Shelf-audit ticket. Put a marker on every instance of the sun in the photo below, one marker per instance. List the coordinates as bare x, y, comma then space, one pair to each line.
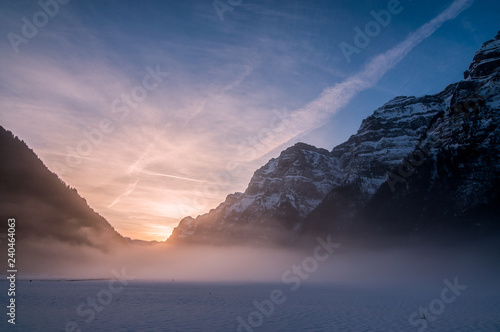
157, 233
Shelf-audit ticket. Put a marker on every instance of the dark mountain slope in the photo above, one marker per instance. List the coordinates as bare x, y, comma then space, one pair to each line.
43, 206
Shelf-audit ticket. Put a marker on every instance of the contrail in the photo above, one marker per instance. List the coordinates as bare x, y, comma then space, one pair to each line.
143, 171
138, 168
223, 90
128, 191
131, 187
332, 99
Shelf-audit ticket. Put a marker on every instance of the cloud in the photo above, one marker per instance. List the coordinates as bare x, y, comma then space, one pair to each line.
223, 90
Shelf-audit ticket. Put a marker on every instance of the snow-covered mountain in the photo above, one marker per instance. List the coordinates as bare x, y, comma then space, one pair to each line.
416, 165
280, 195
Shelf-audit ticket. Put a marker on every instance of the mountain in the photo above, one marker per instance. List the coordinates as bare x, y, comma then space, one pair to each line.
44, 207
417, 167
280, 195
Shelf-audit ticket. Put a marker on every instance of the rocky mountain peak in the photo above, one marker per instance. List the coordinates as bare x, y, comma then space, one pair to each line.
486, 62
399, 101
299, 147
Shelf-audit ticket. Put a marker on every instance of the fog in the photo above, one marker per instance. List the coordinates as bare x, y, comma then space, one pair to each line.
321, 262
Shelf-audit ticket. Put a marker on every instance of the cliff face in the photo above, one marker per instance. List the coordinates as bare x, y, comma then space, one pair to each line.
416, 166
486, 61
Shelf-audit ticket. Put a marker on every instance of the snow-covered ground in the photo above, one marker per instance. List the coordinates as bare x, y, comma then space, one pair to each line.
172, 306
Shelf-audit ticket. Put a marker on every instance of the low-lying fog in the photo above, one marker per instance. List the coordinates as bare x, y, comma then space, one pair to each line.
321, 262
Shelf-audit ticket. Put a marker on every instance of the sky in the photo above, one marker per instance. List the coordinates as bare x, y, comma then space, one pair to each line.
156, 110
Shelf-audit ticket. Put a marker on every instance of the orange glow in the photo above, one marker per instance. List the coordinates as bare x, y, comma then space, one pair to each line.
149, 233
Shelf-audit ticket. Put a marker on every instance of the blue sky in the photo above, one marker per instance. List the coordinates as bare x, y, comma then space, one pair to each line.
237, 92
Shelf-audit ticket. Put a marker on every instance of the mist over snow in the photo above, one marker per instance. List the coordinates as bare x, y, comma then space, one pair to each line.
319, 262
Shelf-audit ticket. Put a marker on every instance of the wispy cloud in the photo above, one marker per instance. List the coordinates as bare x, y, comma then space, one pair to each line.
247, 70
